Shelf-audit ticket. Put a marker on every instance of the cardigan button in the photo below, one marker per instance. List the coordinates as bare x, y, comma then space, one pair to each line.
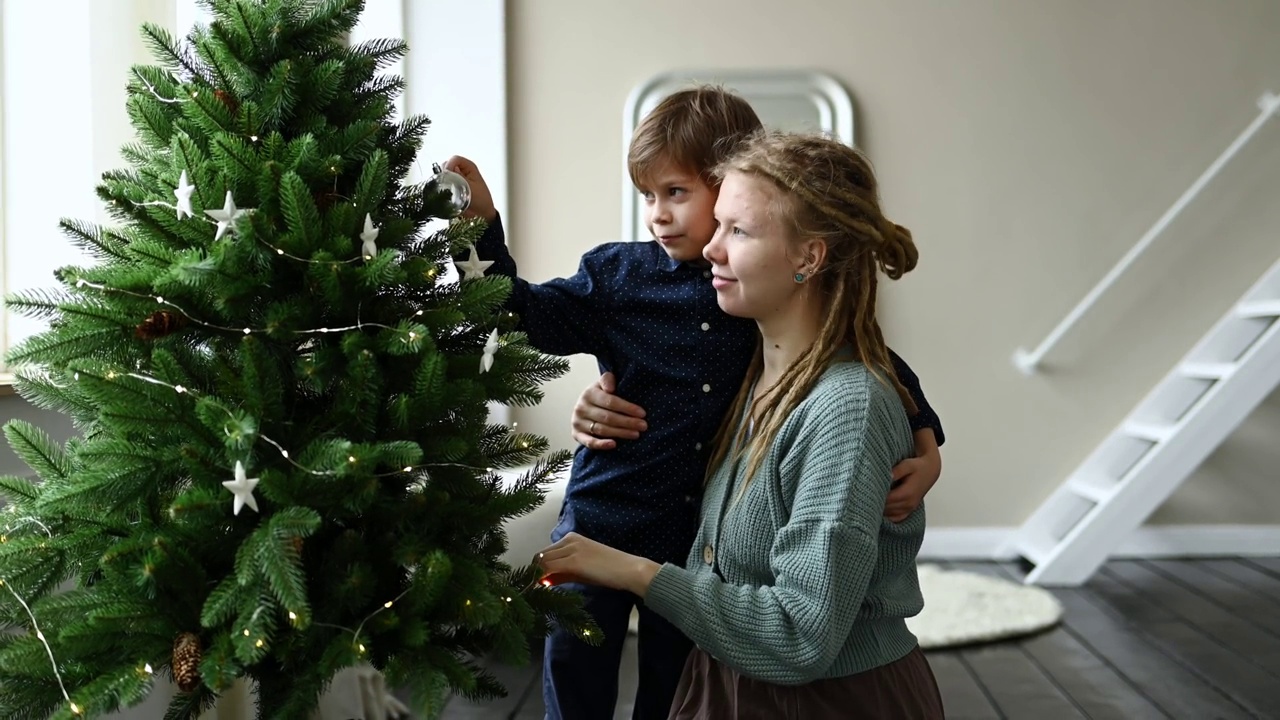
708, 555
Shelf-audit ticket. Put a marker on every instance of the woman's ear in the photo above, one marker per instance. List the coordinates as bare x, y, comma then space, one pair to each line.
813, 255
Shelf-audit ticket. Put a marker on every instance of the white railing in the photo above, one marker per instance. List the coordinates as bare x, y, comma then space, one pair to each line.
1028, 361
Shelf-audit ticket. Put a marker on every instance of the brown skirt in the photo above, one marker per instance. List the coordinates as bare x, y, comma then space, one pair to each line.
904, 689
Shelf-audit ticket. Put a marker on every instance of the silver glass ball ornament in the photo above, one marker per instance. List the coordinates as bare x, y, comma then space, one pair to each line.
457, 186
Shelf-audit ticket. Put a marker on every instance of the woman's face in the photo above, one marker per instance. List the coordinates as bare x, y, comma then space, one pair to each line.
753, 271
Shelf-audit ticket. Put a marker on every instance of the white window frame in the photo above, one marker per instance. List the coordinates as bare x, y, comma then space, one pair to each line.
468, 112
43, 181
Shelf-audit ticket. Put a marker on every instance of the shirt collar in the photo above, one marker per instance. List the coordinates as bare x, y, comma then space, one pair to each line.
670, 264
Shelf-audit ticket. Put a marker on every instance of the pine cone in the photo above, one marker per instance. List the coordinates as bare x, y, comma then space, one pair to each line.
158, 324
227, 99
186, 661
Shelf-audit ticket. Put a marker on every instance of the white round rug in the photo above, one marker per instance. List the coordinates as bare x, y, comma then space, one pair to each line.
962, 607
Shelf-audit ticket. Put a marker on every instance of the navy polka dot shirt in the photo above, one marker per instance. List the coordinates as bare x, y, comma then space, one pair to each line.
655, 324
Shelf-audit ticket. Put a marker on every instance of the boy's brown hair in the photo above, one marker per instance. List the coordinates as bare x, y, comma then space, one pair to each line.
696, 129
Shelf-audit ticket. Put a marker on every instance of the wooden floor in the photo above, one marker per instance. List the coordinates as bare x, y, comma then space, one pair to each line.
1195, 639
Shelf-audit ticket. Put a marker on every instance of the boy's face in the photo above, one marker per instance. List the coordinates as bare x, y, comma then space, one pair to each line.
679, 212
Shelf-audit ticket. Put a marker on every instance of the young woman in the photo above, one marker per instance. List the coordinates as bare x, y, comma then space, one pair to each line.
797, 588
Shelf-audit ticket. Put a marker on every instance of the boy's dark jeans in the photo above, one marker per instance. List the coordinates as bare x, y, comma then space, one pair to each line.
580, 681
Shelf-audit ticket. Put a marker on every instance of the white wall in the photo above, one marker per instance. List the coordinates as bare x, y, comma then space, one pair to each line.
1027, 145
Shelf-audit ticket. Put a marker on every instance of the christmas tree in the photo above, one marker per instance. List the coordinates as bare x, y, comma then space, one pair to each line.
286, 465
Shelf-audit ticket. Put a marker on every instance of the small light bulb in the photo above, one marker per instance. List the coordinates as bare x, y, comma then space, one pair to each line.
293, 615
195, 94
279, 251
468, 603
159, 299
179, 389
259, 643
387, 605
361, 646
418, 313
408, 468
247, 331
147, 669
77, 376
246, 632
508, 599
253, 138
586, 633
413, 336
284, 453
111, 375
39, 635
351, 458
75, 708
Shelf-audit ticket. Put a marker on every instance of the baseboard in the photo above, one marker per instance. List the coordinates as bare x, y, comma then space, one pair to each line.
1152, 541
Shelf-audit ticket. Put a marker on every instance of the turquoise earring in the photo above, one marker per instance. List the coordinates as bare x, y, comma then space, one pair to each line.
799, 277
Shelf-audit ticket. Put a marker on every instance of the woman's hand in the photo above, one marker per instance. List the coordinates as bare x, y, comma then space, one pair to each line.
601, 418
578, 559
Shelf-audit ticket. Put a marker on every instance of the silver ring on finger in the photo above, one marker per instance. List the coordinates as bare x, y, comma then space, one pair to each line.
592, 431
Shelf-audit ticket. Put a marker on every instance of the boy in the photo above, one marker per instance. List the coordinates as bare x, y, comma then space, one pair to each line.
648, 313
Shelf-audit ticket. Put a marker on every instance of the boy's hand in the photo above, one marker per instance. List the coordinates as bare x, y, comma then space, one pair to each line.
481, 199
599, 414
914, 477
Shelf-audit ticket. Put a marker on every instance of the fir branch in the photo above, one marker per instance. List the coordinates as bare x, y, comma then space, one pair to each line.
18, 487
222, 603
38, 303
330, 18
189, 706
255, 625
325, 84
166, 49
42, 392
300, 213
103, 245
279, 560
371, 188
279, 92
154, 124
233, 152
235, 14
383, 52
484, 296
356, 141
510, 449
38, 450
191, 158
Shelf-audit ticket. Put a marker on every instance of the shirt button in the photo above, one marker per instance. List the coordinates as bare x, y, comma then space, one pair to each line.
706, 388
706, 326
706, 273
708, 555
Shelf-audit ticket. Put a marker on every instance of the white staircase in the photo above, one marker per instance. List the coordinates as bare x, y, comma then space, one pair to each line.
1163, 440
